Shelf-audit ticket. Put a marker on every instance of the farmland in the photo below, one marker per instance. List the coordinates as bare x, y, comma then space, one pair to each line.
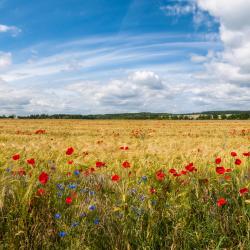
104, 184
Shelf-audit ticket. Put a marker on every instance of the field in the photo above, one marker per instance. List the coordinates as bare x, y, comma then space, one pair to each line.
72, 184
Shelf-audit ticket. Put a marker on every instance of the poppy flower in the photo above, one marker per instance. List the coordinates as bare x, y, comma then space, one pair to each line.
69, 151
244, 191
172, 171
220, 170
218, 160
221, 202
190, 167
40, 192
160, 175
40, 131
115, 177
124, 147
70, 162
184, 172
152, 190
100, 164
228, 170
126, 164
16, 157
227, 177
31, 161
176, 174
237, 162
68, 174
43, 178
21, 172
233, 154
68, 200
246, 154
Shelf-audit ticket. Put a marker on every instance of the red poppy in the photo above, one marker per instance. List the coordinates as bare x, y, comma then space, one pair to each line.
221, 202
172, 171
218, 160
233, 154
244, 191
40, 131
31, 161
68, 174
21, 172
152, 190
69, 151
115, 177
160, 175
100, 164
246, 154
16, 157
40, 192
184, 172
68, 200
237, 162
220, 170
70, 162
176, 174
124, 147
190, 167
227, 177
228, 170
43, 178
126, 164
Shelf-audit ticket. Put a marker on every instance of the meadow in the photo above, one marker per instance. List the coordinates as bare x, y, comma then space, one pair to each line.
106, 184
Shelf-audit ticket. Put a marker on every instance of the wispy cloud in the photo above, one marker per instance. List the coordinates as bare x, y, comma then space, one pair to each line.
13, 30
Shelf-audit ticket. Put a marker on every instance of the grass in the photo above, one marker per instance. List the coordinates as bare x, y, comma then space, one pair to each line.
137, 212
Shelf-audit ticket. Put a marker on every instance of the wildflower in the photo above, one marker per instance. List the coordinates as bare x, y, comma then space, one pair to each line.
233, 154
183, 172
220, 170
247, 154
96, 221
190, 167
237, 162
70, 162
244, 191
16, 157
126, 164
60, 186
76, 172
68, 200
100, 164
58, 216
124, 147
21, 172
218, 160
72, 186
92, 207
31, 161
74, 224
152, 190
62, 234
172, 171
40, 192
69, 151
160, 175
43, 178
221, 202
115, 177
144, 178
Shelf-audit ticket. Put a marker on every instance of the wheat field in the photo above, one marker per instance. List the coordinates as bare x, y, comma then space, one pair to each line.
119, 184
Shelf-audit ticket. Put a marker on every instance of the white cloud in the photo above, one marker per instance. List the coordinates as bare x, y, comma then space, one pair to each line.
12, 29
5, 59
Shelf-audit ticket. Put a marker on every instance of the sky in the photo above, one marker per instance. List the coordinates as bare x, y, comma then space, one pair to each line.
115, 56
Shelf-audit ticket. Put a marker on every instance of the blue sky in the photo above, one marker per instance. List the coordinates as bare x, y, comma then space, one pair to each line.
122, 56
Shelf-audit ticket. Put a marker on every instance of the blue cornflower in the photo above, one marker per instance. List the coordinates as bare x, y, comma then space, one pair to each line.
133, 191
96, 221
74, 224
60, 186
91, 192
62, 234
76, 172
59, 194
8, 170
142, 197
72, 186
83, 215
92, 207
58, 216
144, 178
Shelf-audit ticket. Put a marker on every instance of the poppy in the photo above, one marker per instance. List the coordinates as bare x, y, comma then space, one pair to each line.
221, 202
69, 151
43, 178
21, 172
220, 170
184, 172
152, 190
68, 200
40, 192
237, 162
126, 164
31, 161
70, 162
190, 167
160, 175
16, 157
246, 154
124, 147
115, 177
218, 160
244, 191
172, 171
233, 154
100, 164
